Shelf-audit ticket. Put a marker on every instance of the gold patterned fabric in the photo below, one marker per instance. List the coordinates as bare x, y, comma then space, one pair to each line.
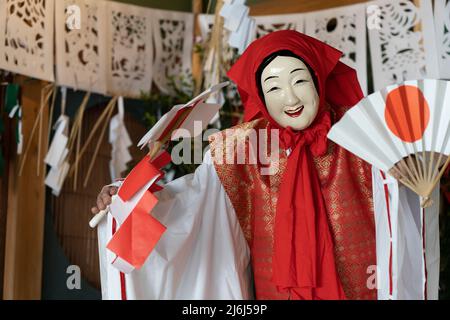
347, 190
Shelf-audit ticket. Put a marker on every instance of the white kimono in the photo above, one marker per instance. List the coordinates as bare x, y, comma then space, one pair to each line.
204, 255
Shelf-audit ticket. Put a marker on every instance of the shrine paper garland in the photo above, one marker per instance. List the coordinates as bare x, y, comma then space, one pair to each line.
402, 44
80, 45
26, 37
341, 28
83, 56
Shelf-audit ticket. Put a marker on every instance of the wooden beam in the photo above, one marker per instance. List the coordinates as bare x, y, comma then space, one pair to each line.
7, 144
26, 205
266, 7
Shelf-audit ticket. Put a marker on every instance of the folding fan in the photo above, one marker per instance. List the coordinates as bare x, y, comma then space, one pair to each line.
404, 129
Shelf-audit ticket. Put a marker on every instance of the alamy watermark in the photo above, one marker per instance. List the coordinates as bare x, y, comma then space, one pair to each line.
74, 279
238, 146
73, 17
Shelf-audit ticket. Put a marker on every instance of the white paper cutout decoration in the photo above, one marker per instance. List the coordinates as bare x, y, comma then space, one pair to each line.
342, 28
129, 49
173, 38
81, 47
120, 141
26, 37
442, 20
402, 45
267, 24
56, 156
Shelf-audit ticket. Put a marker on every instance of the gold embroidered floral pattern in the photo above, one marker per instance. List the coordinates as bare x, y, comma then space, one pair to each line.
346, 186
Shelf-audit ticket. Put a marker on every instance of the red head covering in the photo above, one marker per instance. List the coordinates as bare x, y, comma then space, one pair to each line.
303, 254
337, 83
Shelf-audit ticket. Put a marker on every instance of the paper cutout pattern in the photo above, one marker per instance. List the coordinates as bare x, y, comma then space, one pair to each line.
403, 45
173, 40
130, 50
80, 53
26, 37
442, 19
341, 29
267, 24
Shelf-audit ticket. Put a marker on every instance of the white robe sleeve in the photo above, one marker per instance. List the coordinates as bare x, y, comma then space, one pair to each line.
407, 239
202, 255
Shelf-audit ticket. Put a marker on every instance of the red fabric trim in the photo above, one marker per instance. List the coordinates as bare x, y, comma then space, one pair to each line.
386, 194
123, 287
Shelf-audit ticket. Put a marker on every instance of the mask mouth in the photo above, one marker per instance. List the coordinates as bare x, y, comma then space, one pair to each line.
295, 113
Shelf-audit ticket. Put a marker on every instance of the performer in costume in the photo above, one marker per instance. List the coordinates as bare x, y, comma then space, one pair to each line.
322, 191
306, 231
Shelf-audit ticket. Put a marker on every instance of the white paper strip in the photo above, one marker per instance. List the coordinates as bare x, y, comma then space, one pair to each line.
56, 176
402, 43
206, 21
26, 37
81, 44
342, 28
120, 142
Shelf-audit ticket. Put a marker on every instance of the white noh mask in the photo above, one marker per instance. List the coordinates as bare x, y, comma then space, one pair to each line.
289, 92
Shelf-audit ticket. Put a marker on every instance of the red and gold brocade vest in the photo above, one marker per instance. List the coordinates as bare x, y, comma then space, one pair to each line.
347, 189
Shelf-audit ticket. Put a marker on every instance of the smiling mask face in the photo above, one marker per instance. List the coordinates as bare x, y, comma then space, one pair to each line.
289, 92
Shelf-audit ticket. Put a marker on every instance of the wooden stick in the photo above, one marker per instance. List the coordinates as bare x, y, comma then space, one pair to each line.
41, 118
80, 127
441, 172
50, 119
33, 130
93, 131
76, 123
100, 139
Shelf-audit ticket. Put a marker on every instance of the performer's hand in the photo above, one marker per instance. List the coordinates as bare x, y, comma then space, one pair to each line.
104, 198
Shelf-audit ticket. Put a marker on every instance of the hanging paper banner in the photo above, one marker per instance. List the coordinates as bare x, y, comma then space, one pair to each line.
267, 24
26, 37
342, 28
173, 35
402, 43
442, 20
129, 49
80, 44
